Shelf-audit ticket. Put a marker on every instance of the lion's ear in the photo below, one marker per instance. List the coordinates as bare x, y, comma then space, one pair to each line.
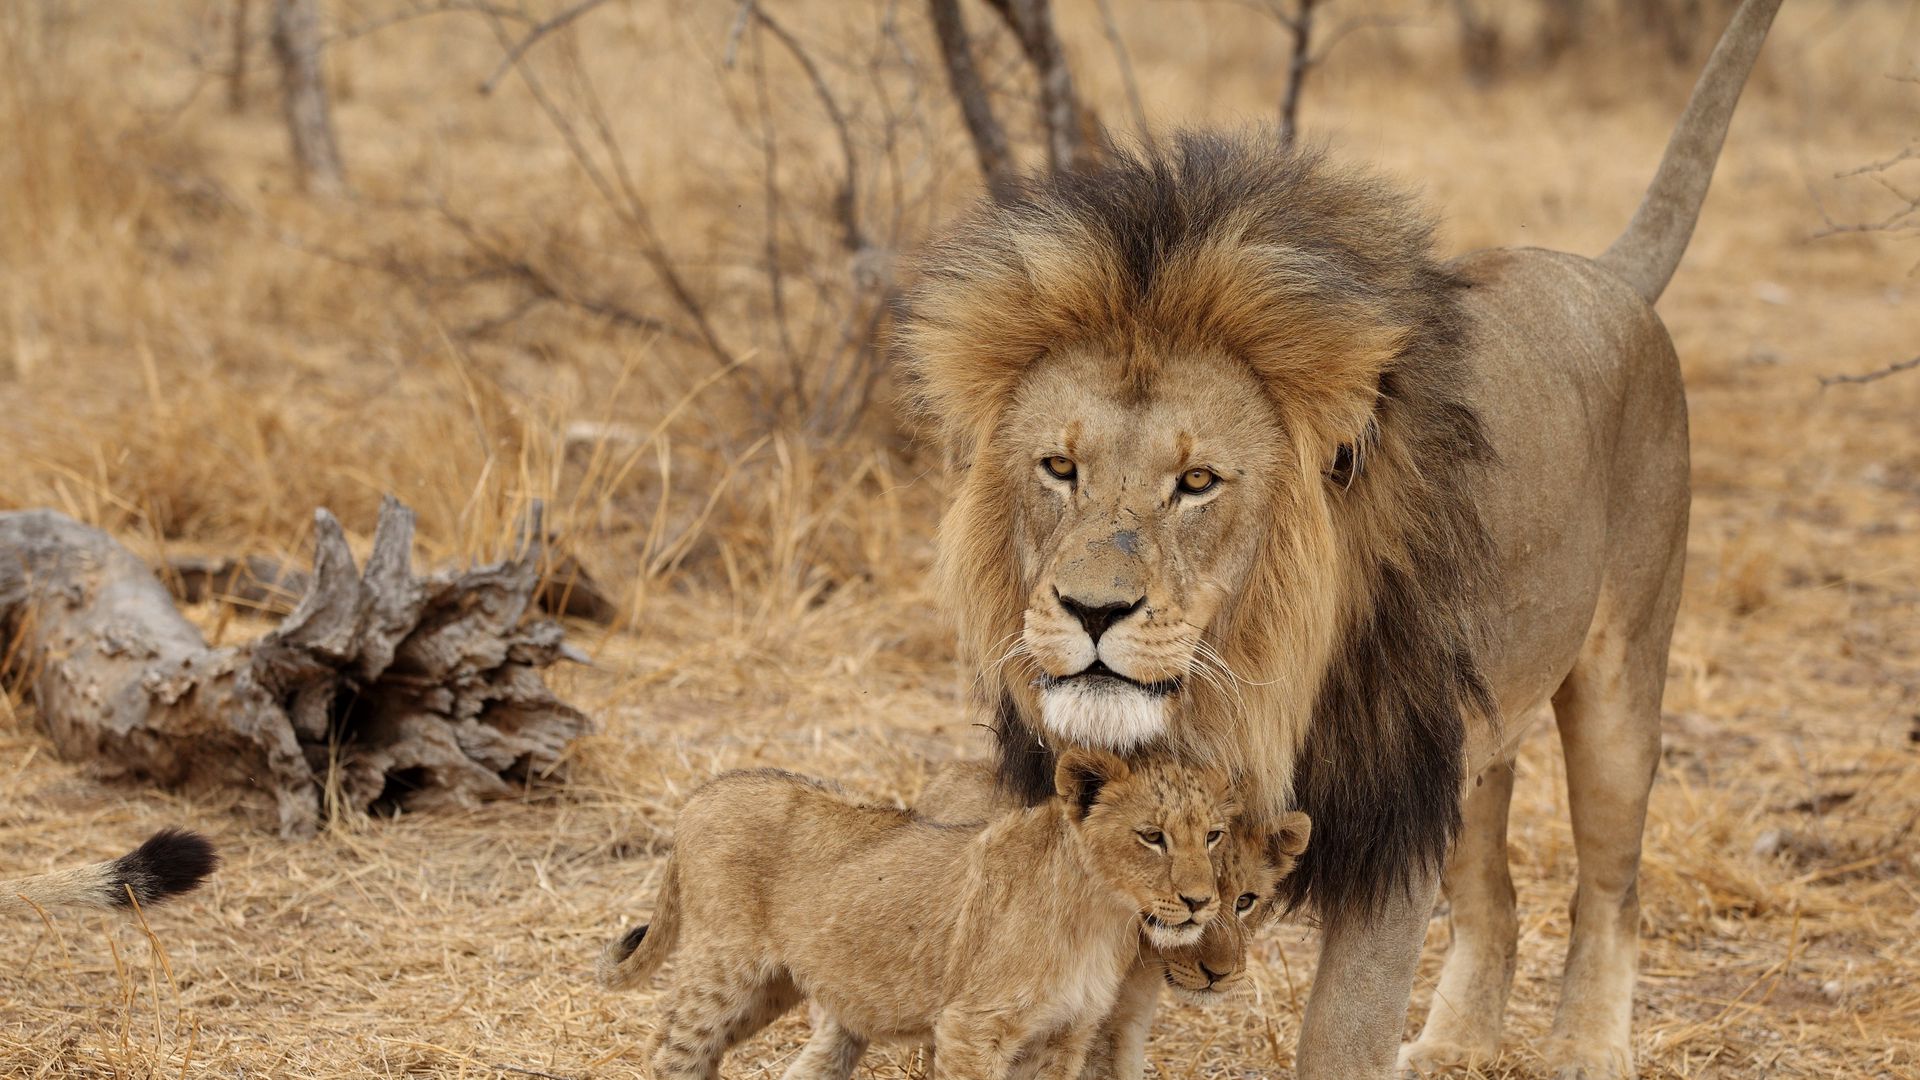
1289, 839
1083, 772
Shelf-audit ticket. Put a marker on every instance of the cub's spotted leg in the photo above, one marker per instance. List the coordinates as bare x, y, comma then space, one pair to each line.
831, 1052
710, 1007
1469, 1005
1609, 715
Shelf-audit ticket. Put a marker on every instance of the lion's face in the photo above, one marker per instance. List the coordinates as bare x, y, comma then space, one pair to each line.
1150, 829
1252, 865
1138, 513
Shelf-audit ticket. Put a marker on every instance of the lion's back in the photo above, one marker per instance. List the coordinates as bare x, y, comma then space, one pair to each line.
1578, 387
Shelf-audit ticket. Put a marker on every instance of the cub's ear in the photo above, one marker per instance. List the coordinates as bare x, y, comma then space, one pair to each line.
1288, 839
1081, 774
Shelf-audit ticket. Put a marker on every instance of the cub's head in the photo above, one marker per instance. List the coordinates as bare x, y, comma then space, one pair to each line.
1252, 865
1149, 828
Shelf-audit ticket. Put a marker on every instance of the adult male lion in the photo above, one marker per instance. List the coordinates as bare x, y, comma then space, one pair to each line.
1246, 468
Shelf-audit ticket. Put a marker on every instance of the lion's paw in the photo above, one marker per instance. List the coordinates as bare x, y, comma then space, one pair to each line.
1568, 1059
1434, 1057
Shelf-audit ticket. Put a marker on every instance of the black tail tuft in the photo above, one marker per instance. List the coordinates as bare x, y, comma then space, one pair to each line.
629, 942
171, 862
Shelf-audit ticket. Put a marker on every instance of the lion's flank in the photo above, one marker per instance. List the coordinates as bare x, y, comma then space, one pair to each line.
1322, 281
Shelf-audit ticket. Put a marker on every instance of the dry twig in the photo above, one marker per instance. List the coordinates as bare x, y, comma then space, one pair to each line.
1871, 376
532, 38
1121, 57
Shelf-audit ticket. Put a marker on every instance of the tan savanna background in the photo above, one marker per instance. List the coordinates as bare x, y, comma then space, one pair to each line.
195, 353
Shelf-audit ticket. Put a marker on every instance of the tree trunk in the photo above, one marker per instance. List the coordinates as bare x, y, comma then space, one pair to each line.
296, 43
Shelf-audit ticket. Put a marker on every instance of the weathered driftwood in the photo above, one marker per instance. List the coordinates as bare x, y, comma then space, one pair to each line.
379, 689
267, 586
254, 582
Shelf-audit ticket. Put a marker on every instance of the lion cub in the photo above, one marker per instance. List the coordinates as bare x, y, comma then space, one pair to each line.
998, 942
1251, 865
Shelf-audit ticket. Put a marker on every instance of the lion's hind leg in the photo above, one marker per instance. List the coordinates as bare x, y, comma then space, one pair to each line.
1609, 717
1469, 1004
712, 1007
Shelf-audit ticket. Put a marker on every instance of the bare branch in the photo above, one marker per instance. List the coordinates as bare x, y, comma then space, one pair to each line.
424, 11
770, 180
1871, 376
847, 201
533, 37
237, 73
1125, 61
622, 197
1301, 27
1032, 21
1908, 154
735, 30
989, 139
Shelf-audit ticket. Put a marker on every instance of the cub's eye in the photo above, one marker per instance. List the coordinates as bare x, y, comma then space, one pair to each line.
1058, 466
1214, 835
1153, 838
1246, 902
1198, 481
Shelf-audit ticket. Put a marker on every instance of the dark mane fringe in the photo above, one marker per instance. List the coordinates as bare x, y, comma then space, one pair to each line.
1024, 764
1381, 771
1322, 279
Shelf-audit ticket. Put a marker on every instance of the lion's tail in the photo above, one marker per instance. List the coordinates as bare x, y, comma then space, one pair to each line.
639, 952
1647, 254
171, 862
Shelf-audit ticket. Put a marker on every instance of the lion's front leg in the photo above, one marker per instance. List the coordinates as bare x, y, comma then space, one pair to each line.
976, 1044
1064, 1052
1360, 990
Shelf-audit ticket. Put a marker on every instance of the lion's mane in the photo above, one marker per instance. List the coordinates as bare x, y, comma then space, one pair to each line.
1356, 636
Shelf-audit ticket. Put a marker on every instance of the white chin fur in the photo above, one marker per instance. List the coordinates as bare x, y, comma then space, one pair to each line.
1165, 937
1194, 997
1103, 713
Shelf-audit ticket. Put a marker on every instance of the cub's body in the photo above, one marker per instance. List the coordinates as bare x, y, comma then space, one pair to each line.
1250, 865
996, 943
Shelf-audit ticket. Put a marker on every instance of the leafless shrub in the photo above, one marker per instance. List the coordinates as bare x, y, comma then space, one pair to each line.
1897, 178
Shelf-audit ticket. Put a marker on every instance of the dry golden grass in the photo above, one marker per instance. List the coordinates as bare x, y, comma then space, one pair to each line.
194, 355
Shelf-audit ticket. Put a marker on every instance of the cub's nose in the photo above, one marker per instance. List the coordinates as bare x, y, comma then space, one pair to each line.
1196, 904
1096, 618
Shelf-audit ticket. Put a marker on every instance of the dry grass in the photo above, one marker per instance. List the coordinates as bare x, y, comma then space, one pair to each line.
194, 355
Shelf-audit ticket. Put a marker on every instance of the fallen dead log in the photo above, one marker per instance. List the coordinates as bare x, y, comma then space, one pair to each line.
264, 585
379, 689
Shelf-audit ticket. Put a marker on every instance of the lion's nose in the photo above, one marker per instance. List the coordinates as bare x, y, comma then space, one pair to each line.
1096, 618
1196, 903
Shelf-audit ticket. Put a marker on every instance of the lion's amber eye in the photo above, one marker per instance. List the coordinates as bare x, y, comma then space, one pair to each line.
1197, 481
1246, 902
1058, 466
1153, 838
1213, 836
